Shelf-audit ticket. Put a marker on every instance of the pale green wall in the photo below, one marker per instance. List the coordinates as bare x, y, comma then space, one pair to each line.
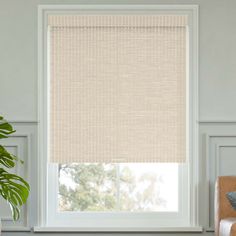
18, 55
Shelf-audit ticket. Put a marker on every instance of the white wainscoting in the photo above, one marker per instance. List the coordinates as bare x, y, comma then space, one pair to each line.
218, 149
22, 143
217, 156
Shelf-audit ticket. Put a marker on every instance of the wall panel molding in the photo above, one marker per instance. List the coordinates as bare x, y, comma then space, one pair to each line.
23, 121
21, 142
201, 121
215, 121
214, 143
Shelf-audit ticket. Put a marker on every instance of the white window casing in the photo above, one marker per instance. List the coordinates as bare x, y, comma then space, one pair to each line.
186, 219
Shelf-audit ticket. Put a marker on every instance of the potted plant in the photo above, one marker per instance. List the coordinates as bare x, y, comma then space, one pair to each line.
13, 188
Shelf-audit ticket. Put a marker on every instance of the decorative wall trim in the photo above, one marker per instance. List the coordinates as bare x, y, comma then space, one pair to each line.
28, 151
16, 229
218, 147
199, 121
216, 168
217, 121
23, 121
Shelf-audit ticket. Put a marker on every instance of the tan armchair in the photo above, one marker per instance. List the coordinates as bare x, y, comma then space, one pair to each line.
225, 215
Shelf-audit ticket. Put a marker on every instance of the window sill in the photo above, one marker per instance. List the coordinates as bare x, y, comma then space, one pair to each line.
195, 229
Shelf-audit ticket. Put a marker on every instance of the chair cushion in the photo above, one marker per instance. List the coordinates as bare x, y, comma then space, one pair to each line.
228, 227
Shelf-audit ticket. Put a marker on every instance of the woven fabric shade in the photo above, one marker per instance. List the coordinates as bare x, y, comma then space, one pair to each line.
117, 88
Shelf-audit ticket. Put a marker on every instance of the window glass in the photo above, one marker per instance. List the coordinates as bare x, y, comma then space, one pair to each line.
118, 187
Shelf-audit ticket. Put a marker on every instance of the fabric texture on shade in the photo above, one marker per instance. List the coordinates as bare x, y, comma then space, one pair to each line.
117, 88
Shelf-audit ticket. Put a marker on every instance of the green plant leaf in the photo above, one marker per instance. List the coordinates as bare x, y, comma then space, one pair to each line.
7, 159
15, 211
5, 128
15, 190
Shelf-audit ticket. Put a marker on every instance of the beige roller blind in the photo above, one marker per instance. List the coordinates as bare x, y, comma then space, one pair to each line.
117, 88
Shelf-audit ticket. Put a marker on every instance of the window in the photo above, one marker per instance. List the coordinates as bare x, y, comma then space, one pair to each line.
118, 117
118, 187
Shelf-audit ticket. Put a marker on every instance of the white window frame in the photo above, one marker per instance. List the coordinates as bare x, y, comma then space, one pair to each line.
126, 220
187, 219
